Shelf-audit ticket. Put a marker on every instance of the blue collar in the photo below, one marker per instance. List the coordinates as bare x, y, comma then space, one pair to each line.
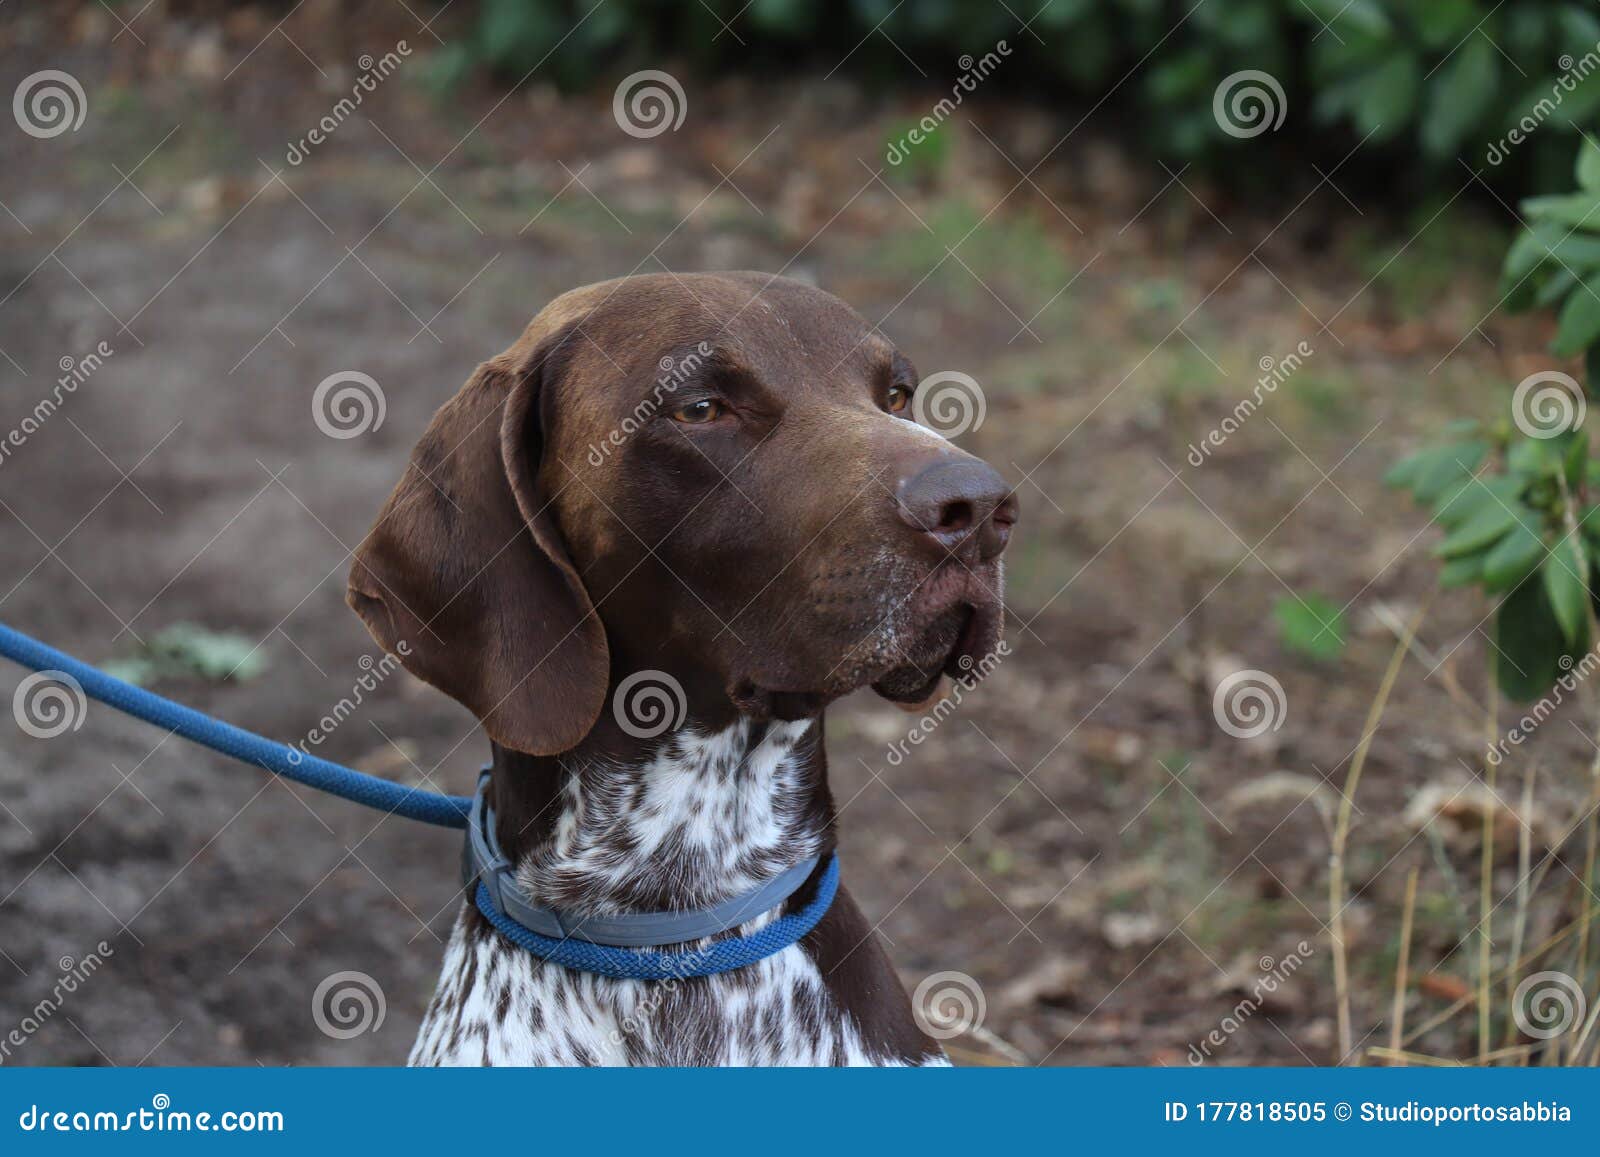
624, 945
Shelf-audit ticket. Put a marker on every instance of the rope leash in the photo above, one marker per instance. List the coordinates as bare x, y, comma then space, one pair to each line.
446, 811
571, 950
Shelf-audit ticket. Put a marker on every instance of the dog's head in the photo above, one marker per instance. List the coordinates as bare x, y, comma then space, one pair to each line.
711, 475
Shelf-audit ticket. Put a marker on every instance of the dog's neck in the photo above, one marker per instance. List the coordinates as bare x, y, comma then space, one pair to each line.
682, 821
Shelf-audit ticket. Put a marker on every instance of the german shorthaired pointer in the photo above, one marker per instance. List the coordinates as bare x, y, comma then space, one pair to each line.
712, 477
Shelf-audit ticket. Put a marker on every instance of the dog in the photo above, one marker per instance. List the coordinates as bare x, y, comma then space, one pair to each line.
713, 479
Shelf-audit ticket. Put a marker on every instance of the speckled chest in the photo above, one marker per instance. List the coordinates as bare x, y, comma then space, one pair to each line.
711, 815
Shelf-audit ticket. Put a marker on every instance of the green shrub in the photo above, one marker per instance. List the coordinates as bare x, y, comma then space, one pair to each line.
1423, 83
1513, 500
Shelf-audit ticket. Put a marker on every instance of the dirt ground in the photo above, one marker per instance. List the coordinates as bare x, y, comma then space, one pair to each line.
1081, 838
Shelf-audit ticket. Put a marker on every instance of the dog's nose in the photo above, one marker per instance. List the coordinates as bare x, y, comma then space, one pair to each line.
962, 504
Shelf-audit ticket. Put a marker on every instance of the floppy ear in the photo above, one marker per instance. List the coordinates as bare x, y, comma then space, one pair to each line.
465, 576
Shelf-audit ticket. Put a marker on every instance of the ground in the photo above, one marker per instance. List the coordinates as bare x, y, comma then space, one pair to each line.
1112, 870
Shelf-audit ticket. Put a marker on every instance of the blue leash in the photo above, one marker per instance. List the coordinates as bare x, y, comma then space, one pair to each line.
449, 811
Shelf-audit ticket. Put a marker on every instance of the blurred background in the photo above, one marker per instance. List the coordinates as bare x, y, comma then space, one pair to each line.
1285, 765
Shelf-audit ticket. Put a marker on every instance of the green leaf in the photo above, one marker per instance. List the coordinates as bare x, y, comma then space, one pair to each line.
1448, 23
1530, 250
1588, 167
1310, 625
1557, 283
1460, 572
1475, 494
1574, 210
1591, 370
1515, 555
1388, 96
1488, 526
1460, 94
1446, 465
1531, 458
1528, 644
1565, 575
1403, 474
1575, 458
1580, 320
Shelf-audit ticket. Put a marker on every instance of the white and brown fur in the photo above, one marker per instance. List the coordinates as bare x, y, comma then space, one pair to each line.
708, 817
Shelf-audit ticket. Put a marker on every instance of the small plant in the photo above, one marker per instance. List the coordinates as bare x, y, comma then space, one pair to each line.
1513, 498
190, 651
1310, 626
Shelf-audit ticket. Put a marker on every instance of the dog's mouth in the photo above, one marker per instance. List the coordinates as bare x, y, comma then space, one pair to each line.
955, 642
953, 645
950, 625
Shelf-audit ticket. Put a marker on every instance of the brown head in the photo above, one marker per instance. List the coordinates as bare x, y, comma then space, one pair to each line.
715, 476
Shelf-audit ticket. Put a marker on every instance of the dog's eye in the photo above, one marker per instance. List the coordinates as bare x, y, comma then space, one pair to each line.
899, 399
699, 413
